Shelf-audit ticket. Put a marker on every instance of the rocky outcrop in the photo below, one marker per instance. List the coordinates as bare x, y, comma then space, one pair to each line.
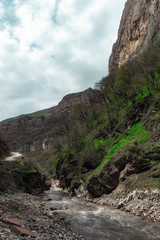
139, 29
70, 101
38, 145
18, 176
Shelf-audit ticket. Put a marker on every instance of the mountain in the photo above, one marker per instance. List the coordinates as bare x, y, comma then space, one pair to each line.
28, 132
139, 29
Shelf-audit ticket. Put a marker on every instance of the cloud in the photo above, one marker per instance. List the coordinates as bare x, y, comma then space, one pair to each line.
51, 48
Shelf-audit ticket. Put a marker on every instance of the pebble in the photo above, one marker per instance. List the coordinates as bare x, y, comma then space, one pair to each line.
28, 209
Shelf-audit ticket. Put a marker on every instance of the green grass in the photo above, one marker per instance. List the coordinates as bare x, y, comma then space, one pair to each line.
98, 143
137, 133
40, 114
139, 97
43, 113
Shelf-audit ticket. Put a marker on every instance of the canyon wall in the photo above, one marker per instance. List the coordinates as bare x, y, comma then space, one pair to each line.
139, 29
29, 132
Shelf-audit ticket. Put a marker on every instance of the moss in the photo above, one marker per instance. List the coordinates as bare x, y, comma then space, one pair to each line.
40, 114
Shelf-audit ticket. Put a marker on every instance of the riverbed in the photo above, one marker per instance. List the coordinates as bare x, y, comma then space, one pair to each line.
95, 222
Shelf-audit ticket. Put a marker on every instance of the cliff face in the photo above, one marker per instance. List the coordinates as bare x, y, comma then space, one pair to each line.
139, 29
28, 132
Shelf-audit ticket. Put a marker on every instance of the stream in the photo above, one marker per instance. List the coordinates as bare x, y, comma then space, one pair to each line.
95, 222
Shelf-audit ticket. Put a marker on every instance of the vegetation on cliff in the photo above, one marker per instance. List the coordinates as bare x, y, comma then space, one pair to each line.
125, 131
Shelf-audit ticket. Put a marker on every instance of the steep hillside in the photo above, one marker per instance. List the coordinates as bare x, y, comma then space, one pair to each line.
122, 145
139, 29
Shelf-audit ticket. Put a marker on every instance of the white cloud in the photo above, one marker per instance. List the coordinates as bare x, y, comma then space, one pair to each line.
51, 48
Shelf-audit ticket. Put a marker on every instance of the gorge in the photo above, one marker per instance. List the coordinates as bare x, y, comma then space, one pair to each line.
103, 144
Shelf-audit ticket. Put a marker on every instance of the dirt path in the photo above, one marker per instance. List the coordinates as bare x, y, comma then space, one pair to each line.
13, 157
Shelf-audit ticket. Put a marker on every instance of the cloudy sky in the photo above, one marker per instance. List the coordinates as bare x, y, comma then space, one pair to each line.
49, 48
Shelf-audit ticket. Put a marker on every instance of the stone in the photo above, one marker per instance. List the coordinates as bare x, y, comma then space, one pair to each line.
1, 229
63, 207
22, 231
14, 221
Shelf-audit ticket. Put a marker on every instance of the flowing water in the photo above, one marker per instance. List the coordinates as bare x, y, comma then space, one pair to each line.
100, 222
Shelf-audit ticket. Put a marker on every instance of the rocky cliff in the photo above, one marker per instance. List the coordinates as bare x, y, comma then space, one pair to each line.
28, 132
139, 29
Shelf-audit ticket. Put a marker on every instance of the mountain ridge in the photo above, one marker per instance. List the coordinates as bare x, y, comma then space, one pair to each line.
23, 125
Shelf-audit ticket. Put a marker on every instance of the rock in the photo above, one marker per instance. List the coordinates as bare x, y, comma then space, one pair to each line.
1, 229
14, 221
139, 28
105, 182
129, 169
22, 231
63, 207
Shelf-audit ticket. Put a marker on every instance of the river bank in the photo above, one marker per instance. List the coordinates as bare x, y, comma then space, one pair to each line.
54, 215
100, 222
143, 203
35, 222
140, 203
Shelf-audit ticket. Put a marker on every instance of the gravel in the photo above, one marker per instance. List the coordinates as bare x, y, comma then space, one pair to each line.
29, 210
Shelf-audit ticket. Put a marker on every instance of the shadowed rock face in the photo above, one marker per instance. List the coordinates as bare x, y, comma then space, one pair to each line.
139, 28
15, 178
4, 149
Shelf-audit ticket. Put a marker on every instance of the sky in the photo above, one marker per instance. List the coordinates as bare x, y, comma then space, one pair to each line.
50, 48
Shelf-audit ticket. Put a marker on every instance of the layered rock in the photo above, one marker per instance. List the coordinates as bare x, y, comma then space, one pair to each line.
139, 29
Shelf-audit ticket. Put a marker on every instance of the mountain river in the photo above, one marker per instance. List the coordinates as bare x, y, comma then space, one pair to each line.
95, 222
